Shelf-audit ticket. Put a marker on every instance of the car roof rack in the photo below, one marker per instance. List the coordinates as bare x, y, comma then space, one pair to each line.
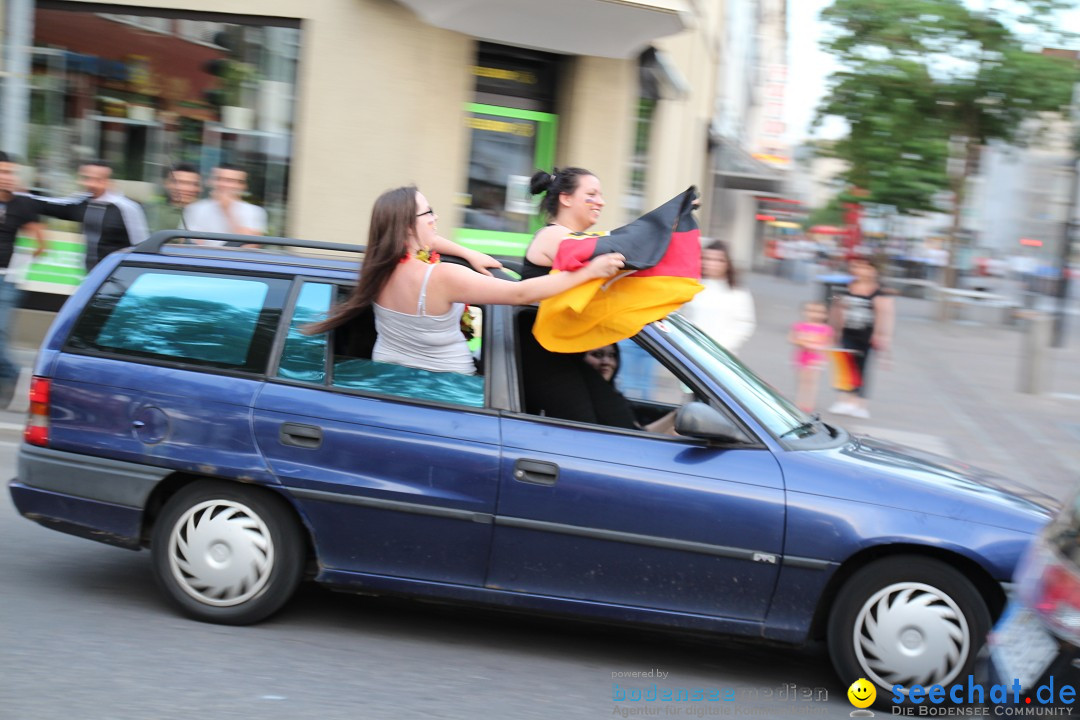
159, 239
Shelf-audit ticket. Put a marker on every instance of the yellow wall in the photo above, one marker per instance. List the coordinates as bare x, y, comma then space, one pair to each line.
597, 115
678, 156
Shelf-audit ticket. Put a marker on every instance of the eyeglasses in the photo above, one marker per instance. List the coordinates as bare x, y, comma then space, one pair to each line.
430, 211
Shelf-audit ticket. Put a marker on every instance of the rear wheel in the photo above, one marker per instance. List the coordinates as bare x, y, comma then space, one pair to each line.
226, 553
907, 620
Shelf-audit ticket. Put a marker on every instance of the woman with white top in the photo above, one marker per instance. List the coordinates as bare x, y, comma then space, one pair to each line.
418, 301
723, 310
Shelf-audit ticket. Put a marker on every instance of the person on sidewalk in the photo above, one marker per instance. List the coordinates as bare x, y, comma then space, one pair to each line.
864, 315
225, 211
723, 310
811, 336
18, 213
110, 221
182, 185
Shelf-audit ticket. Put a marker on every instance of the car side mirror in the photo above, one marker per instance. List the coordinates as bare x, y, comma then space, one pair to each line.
700, 420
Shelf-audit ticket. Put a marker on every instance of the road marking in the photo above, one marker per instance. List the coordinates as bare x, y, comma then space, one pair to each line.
14, 427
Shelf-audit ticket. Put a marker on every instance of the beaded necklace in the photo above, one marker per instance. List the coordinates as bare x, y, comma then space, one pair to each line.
424, 255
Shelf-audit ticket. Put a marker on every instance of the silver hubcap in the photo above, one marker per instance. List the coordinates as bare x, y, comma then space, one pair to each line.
911, 634
220, 553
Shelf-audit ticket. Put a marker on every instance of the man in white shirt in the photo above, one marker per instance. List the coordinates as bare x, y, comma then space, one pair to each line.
224, 211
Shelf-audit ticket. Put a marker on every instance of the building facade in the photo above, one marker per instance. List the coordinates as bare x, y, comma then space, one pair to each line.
330, 102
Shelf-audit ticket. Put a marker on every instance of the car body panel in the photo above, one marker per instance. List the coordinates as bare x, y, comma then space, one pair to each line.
672, 525
393, 489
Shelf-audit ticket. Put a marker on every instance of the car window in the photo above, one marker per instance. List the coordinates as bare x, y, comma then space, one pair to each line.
642, 377
641, 394
303, 357
224, 321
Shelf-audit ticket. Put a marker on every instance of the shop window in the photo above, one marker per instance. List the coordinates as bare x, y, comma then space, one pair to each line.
512, 132
148, 89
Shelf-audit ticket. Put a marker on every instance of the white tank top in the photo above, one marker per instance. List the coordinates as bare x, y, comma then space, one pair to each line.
428, 342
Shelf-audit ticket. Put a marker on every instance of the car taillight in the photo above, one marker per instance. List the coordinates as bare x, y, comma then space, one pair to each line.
1051, 587
37, 420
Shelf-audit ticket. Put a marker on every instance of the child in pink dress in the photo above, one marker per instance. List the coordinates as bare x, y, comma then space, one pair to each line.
810, 337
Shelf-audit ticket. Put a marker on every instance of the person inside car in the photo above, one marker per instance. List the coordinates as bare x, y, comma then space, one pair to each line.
613, 408
418, 301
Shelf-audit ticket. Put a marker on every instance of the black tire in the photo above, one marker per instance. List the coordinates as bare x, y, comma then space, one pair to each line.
927, 623
226, 553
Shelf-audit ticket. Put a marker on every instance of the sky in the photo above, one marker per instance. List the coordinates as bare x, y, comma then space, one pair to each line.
809, 68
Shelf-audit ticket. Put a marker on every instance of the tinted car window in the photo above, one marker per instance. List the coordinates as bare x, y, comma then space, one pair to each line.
223, 321
303, 357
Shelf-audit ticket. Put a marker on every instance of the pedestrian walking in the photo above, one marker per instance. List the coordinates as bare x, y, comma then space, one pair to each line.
225, 211
864, 315
182, 185
723, 310
811, 336
18, 213
110, 221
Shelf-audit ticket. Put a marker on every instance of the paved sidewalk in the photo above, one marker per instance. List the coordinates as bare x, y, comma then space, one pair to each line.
950, 388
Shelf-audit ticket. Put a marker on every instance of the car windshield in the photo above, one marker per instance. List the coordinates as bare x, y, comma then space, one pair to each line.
771, 409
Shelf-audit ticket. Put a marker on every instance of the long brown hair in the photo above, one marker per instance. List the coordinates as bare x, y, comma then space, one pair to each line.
392, 219
732, 274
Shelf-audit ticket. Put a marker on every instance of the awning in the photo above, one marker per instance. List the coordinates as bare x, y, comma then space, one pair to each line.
736, 169
601, 28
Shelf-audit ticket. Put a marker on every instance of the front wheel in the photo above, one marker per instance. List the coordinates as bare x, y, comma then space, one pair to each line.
227, 554
907, 621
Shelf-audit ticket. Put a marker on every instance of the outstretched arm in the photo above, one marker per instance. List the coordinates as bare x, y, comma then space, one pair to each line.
458, 284
479, 261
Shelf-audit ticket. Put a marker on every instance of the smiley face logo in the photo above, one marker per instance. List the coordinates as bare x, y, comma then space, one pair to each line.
862, 693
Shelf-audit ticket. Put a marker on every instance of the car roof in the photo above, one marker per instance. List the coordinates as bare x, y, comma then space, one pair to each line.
290, 255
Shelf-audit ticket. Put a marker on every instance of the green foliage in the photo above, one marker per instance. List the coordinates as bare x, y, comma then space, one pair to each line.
919, 72
831, 214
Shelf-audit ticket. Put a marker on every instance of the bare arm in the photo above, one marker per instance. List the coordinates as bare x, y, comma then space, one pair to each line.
479, 261
546, 243
36, 230
459, 284
884, 312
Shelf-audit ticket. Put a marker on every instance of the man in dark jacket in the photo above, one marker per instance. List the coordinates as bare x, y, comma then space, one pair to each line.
110, 221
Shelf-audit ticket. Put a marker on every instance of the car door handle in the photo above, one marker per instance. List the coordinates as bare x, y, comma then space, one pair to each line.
537, 472
297, 435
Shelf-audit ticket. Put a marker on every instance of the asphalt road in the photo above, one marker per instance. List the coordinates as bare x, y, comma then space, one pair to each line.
84, 634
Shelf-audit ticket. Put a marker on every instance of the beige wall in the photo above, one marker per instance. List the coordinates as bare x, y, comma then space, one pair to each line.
597, 115
678, 155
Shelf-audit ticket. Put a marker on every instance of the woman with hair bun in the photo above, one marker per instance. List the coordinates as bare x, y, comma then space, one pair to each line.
572, 201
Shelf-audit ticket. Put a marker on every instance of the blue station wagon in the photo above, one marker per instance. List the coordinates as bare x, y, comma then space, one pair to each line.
177, 405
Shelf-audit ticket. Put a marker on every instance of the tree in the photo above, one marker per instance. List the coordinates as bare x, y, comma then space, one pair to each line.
921, 75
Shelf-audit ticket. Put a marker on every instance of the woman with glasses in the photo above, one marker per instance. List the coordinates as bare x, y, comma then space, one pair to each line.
418, 301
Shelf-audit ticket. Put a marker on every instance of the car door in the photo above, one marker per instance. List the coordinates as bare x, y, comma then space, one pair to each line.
637, 519
389, 484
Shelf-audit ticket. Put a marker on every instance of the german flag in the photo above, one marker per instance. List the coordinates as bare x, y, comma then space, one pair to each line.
663, 266
846, 375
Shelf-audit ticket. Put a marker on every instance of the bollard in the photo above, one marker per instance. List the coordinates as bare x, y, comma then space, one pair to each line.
1033, 350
